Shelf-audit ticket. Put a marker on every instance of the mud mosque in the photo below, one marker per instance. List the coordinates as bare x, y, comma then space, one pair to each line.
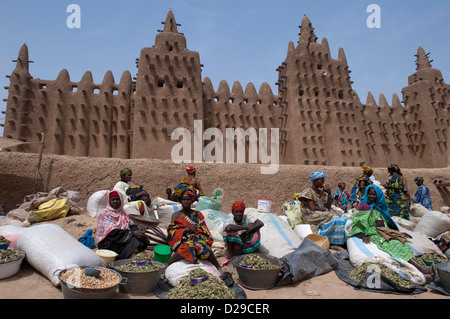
319, 117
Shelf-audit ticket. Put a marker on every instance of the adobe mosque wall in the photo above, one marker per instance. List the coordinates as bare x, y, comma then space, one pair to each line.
319, 118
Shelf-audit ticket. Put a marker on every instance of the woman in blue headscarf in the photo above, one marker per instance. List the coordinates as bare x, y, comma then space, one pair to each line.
317, 211
373, 223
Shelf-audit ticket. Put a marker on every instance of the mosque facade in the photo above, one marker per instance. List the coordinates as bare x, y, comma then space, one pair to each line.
318, 117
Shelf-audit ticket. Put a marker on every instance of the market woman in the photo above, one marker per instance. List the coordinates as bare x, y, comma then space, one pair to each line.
373, 223
116, 231
188, 235
317, 211
397, 196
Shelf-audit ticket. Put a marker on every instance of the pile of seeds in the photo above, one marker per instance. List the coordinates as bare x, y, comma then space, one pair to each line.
257, 262
129, 266
7, 255
4, 241
432, 257
212, 288
359, 274
76, 277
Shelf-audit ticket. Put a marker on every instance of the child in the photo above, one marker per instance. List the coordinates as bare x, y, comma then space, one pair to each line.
341, 197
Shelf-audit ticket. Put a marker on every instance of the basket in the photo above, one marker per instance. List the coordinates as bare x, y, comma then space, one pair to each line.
320, 241
143, 221
107, 256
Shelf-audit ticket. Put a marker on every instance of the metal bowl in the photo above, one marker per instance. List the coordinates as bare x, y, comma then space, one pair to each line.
257, 279
73, 292
138, 282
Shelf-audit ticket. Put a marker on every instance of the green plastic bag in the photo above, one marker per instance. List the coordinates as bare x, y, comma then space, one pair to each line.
205, 202
294, 214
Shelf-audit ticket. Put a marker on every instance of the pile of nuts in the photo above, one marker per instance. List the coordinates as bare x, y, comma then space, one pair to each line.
77, 277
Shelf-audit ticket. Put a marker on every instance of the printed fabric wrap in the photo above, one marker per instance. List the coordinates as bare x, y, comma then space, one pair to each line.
192, 247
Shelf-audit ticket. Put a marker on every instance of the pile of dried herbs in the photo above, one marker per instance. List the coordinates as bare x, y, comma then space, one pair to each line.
143, 256
212, 288
129, 266
4, 241
359, 274
7, 255
432, 257
257, 262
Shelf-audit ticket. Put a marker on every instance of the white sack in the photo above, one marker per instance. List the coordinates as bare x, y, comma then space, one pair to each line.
277, 237
177, 271
97, 202
12, 233
360, 253
433, 223
50, 248
303, 230
408, 224
417, 210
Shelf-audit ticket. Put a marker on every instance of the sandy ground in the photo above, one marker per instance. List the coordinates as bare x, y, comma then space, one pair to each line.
20, 177
30, 284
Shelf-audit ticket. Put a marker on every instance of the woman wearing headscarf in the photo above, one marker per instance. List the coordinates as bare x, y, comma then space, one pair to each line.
188, 235
241, 233
134, 196
317, 211
397, 196
422, 195
190, 181
360, 185
116, 231
373, 223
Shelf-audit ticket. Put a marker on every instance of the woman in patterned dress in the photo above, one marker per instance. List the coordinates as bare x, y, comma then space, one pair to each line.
397, 196
188, 235
422, 195
317, 211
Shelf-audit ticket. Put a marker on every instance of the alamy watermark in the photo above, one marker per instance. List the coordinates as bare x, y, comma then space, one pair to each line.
258, 146
74, 19
374, 19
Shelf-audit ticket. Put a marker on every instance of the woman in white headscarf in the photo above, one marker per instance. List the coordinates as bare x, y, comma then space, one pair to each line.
319, 214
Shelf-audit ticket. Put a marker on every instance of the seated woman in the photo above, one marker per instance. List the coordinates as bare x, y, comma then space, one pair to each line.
116, 231
422, 195
189, 181
241, 233
317, 211
135, 196
188, 235
373, 223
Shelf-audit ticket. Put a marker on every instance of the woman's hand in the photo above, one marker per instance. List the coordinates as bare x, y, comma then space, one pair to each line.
139, 234
366, 240
191, 229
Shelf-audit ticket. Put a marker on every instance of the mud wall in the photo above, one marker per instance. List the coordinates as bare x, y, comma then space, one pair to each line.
239, 181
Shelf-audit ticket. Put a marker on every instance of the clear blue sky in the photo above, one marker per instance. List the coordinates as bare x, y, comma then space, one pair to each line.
243, 40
